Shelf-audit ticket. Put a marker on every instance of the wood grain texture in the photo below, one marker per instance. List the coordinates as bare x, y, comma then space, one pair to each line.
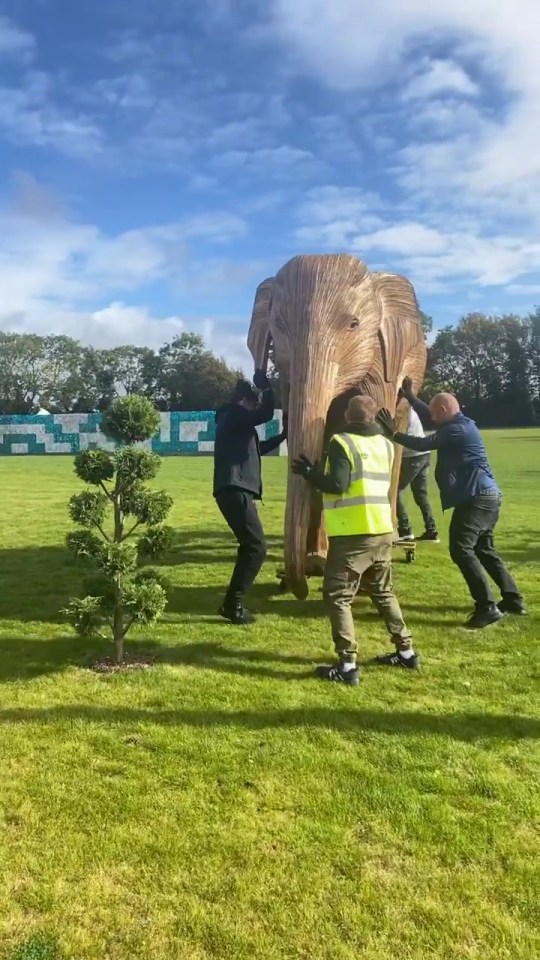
337, 330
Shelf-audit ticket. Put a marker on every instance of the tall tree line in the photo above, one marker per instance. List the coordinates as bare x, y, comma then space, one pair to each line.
59, 374
491, 363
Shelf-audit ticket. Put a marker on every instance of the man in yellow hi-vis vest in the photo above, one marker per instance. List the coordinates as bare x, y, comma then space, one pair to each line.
355, 485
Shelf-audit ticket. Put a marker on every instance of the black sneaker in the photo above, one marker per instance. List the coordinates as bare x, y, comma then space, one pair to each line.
429, 536
396, 659
238, 615
513, 605
338, 675
484, 618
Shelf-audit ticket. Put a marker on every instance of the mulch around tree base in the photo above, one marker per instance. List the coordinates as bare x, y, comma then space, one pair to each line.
107, 665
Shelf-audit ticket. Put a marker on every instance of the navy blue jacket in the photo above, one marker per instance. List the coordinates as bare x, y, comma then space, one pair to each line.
462, 470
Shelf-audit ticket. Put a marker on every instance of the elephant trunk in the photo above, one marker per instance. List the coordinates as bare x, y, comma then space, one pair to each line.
312, 388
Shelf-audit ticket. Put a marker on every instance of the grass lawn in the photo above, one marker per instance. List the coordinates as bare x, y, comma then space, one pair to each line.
226, 805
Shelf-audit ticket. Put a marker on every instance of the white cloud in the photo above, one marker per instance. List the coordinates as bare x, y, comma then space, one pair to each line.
361, 50
14, 43
404, 239
464, 168
118, 324
431, 258
273, 163
30, 115
439, 76
59, 276
524, 289
500, 151
324, 204
458, 251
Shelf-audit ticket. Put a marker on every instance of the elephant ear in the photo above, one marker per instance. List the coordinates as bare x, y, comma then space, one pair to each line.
400, 332
259, 337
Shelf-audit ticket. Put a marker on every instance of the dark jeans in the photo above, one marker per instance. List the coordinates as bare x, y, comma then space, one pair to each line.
414, 474
473, 550
240, 512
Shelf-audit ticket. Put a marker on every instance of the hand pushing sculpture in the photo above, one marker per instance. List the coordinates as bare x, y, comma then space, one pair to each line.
336, 330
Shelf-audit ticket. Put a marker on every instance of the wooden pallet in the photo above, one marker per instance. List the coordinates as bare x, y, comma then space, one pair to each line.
408, 547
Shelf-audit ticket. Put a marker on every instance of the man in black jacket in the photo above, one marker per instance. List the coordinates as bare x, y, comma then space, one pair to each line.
237, 483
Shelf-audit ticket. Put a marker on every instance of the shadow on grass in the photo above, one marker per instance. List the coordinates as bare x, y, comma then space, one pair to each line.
457, 726
24, 658
36, 582
212, 546
529, 553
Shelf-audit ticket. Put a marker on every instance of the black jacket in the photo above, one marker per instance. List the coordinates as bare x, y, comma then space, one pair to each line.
237, 449
338, 480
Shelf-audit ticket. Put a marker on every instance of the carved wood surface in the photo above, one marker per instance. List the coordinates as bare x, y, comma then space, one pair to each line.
337, 330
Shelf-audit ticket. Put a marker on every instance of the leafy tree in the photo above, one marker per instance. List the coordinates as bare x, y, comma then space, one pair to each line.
488, 363
135, 370
427, 323
97, 389
191, 378
120, 527
273, 375
62, 379
534, 324
21, 364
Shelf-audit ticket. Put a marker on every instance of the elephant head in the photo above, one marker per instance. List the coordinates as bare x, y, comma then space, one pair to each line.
335, 327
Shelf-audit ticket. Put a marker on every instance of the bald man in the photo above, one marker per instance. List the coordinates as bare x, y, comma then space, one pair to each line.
467, 486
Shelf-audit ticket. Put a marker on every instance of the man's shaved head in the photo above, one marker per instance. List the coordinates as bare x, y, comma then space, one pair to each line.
443, 407
361, 409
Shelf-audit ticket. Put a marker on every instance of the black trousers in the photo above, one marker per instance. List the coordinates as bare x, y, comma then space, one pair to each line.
473, 550
241, 514
414, 474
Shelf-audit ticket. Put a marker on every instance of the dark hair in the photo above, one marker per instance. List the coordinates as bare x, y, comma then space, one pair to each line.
244, 390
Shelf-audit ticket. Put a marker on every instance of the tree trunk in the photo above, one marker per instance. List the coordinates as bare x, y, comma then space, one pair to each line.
118, 615
118, 621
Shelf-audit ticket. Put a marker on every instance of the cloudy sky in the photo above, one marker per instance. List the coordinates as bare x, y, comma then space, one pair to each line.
158, 158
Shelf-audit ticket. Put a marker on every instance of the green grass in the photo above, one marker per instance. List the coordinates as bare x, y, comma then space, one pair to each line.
226, 805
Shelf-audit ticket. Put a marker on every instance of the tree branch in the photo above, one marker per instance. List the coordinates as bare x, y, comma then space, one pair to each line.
129, 625
128, 534
107, 493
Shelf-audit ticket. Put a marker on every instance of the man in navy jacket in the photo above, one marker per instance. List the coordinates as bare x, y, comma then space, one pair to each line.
238, 483
467, 485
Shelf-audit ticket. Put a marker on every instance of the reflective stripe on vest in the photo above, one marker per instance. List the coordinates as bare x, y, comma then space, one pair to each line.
358, 472
365, 507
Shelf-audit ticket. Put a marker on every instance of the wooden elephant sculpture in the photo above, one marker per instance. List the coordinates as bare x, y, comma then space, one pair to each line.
336, 330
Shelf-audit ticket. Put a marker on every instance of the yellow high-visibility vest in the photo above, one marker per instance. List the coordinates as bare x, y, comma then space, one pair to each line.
365, 507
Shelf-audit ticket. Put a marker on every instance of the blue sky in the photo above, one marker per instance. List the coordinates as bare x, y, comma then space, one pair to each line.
159, 159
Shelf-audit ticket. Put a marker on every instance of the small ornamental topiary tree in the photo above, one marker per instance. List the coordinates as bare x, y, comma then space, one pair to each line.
121, 527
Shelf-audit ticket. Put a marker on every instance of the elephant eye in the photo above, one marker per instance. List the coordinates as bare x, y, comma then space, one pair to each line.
354, 324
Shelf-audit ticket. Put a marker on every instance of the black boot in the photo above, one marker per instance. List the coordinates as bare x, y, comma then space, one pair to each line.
236, 614
484, 618
512, 604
